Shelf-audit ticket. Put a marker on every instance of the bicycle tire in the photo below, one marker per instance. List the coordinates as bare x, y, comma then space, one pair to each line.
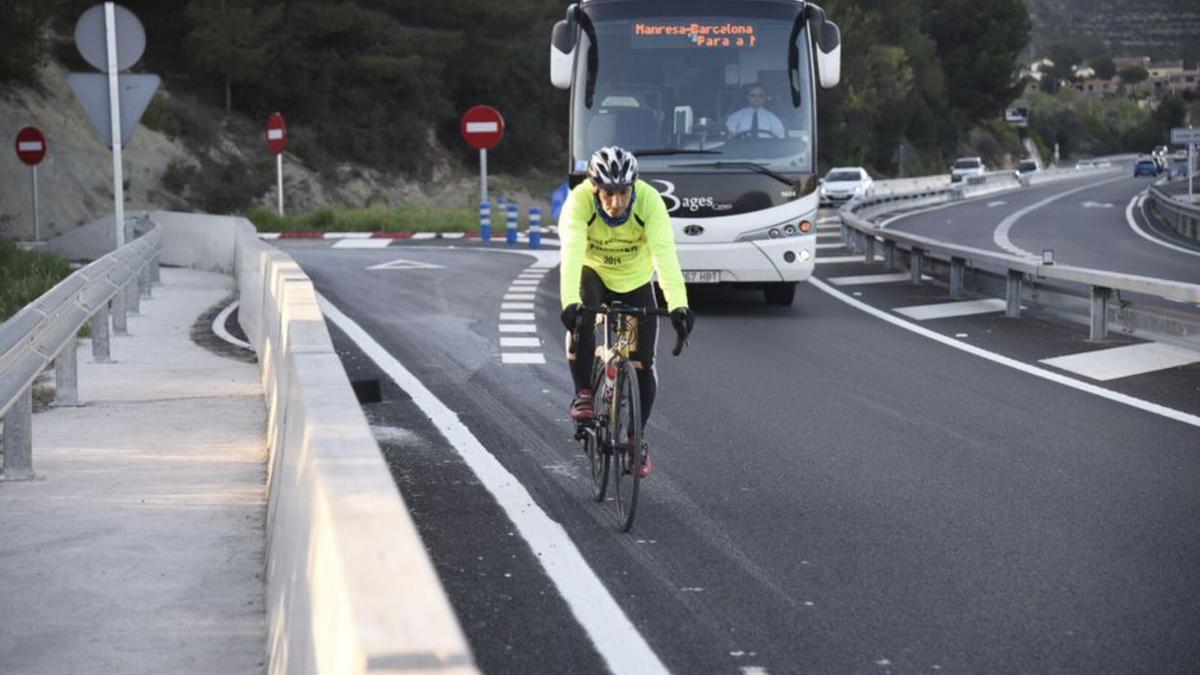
625, 434
599, 456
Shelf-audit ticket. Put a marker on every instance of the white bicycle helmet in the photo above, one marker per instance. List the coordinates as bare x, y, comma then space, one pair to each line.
613, 168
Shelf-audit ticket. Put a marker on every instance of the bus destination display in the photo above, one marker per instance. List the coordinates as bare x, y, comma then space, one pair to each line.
715, 34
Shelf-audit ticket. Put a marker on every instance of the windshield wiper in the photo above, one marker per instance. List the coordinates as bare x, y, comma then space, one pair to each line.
673, 151
753, 166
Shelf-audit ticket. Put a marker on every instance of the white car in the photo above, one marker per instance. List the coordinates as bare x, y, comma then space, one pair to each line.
844, 183
966, 166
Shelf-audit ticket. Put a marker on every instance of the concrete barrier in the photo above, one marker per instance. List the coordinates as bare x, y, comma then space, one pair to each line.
350, 588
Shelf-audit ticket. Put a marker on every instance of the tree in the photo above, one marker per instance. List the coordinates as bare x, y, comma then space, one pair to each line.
1104, 67
231, 39
1134, 75
23, 34
978, 42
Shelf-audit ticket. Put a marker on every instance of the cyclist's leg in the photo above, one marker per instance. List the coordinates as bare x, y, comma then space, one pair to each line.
581, 348
644, 347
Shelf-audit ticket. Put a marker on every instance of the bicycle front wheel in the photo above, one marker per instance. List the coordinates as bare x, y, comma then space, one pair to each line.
625, 434
599, 455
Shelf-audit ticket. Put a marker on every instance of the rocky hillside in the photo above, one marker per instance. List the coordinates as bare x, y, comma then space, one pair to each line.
1162, 29
169, 170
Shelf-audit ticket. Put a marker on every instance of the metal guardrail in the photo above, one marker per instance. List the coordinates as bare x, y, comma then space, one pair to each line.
1183, 217
44, 331
861, 235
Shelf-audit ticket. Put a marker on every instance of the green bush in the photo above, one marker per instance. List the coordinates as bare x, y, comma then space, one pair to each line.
373, 219
26, 275
178, 120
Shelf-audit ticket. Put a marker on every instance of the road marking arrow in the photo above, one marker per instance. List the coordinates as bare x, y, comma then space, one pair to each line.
402, 264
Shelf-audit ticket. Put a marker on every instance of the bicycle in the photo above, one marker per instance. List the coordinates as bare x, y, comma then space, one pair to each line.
614, 433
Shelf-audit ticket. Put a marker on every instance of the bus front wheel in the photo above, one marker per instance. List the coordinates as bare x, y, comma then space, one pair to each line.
780, 293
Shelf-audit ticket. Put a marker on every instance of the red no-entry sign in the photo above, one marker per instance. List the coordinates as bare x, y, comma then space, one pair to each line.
31, 146
276, 134
482, 127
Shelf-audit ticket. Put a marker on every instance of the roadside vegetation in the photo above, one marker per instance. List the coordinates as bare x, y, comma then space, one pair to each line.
26, 275
373, 219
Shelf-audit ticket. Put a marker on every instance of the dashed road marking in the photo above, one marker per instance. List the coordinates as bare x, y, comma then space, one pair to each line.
362, 243
518, 328
945, 310
517, 316
1118, 362
864, 279
516, 305
520, 342
839, 259
522, 357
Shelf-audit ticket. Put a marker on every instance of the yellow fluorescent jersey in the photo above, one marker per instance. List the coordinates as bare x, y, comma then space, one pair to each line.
625, 256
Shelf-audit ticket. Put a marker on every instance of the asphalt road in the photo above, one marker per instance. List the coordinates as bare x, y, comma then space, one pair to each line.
831, 492
1083, 221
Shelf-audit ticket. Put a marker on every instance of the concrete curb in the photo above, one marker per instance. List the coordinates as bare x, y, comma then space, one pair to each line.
350, 588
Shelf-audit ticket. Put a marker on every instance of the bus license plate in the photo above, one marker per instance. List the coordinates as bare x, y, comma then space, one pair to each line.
702, 276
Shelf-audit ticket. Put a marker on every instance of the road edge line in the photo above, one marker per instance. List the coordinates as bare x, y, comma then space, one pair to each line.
1117, 397
616, 639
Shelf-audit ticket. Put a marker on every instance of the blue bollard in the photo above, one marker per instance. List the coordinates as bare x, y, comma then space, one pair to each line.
485, 221
535, 227
514, 215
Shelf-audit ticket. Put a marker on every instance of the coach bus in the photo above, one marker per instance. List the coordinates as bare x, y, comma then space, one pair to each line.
717, 98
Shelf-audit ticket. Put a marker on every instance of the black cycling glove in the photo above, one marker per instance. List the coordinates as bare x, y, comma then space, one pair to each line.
570, 315
683, 319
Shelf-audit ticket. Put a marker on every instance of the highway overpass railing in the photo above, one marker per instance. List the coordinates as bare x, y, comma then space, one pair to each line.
1182, 216
44, 331
1025, 280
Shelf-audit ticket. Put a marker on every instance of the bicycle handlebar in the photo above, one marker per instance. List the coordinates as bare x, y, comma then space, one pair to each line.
618, 309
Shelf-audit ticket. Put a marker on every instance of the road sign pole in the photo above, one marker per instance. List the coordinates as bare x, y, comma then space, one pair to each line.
114, 93
279, 180
37, 230
483, 176
1191, 169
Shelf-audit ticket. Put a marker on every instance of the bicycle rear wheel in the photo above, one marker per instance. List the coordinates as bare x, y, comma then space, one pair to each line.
625, 434
598, 454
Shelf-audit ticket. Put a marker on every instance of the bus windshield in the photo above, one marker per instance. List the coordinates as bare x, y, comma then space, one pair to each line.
703, 91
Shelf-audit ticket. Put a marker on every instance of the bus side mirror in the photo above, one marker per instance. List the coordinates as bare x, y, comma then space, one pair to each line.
829, 55
562, 49
562, 54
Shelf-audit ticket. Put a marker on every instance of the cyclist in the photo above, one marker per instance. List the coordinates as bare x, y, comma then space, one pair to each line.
615, 234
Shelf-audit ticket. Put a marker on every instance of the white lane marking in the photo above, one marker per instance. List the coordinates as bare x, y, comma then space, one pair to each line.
829, 246
534, 273
519, 296
520, 342
516, 305
1117, 397
830, 235
526, 282
402, 264
1000, 236
218, 327
1140, 200
362, 243
522, 357
946, 310
1096, 205
517, 316
992, 205
619, 643
347, 235
1117, 362
518, 328
946, 205
844, 259
863, 279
